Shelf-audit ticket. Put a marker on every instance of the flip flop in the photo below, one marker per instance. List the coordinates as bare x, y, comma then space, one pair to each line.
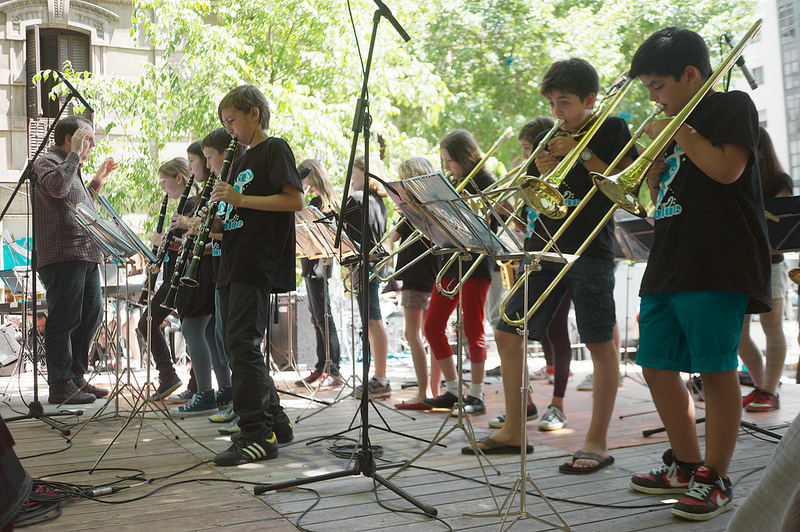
411, 406
495, 447
603, 462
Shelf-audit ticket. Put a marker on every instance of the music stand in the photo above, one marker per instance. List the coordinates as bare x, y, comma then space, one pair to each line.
633, 240
315, 237
116, 247
783, 223
436, 209
120, 247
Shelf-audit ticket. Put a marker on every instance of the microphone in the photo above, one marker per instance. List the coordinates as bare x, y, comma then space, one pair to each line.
74, 91
740, 63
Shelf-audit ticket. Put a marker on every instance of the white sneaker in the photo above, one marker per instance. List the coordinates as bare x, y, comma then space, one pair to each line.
540, 374
553, 419
587, 385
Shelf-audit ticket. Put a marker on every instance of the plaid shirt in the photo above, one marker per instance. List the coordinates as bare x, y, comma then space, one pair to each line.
59, 237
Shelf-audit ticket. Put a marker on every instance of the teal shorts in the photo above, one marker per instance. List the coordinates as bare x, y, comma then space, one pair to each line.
693, 332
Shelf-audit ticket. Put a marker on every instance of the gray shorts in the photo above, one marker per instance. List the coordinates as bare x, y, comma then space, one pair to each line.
780, 276
415, 299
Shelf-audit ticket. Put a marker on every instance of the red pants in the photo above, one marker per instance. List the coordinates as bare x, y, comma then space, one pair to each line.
439, 311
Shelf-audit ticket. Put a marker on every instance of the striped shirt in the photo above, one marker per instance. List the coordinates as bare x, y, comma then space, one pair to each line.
59, 237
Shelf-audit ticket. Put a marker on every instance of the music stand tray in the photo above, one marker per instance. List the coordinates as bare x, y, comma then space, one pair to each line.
783, 220
634, 237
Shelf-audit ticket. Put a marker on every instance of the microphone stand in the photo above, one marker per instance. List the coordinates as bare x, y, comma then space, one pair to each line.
364, 459
35, 409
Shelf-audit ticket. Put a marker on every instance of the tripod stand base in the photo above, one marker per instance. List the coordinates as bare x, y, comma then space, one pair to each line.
36, 411
365, 465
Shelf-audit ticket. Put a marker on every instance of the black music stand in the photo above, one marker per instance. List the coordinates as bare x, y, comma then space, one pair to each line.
433, 206
35, 409
364, 457
437, 210
120, 245
632, 243
315, 239
116, 247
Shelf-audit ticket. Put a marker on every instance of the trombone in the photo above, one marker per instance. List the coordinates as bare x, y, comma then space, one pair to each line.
623, 183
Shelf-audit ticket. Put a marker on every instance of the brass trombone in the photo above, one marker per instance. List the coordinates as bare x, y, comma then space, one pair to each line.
794, 275
625, 182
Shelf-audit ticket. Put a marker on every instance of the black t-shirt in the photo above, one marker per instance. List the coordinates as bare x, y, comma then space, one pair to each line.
482, 179
710, 236
316, 268
606, 144
376, 223
258, 247
421, 275
771, 186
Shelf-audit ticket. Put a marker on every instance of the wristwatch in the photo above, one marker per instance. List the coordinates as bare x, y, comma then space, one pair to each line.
586, 155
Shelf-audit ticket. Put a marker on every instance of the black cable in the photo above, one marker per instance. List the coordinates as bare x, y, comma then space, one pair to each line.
405, 511
307, 510
355, 36
69, 446
558, 499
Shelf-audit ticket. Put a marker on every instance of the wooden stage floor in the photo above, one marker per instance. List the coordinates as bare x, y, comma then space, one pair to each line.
188, 493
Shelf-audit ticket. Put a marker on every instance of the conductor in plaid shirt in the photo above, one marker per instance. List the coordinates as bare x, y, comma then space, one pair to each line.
68, 260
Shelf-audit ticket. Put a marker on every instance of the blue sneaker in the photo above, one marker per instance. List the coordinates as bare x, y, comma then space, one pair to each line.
200, 403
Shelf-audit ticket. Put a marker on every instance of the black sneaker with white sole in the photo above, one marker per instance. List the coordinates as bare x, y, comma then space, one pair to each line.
472, 406
245, 450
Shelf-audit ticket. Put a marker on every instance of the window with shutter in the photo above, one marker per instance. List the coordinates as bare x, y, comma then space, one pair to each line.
49, 48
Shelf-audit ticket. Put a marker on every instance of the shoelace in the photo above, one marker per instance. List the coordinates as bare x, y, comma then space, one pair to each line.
660, 470
700, 490
552, 416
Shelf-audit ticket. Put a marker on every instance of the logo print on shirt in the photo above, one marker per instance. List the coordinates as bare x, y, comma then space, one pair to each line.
239, 185
666, 207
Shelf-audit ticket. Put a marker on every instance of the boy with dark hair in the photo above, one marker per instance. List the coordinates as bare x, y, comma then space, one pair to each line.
258, 256
709, 265
571, 88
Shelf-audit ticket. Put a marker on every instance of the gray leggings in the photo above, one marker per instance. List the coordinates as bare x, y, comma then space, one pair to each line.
199, 334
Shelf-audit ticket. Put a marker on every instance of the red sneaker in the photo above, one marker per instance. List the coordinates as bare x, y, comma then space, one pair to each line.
669, 477
747, 399
763, 402
708, 496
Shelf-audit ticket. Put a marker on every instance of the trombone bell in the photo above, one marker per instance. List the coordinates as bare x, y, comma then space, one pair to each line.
619, 194
794, 275
543, 197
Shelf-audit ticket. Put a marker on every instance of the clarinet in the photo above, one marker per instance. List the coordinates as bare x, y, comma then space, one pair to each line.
150, 277
180, 263
190, 278
161, 253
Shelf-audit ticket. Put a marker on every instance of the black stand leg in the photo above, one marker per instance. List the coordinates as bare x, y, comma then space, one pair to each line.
364, 461
743, 424
35, 409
